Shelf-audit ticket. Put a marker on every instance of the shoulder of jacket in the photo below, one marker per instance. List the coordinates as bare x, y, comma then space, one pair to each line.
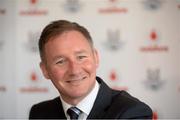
124, 105
123, 99
46, 103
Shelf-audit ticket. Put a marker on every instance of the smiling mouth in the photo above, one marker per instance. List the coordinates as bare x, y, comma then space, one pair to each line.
76, 80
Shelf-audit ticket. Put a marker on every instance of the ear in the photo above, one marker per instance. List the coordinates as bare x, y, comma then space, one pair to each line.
44, 69
96, 57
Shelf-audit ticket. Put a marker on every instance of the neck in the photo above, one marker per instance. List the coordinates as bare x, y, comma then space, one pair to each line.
72, 101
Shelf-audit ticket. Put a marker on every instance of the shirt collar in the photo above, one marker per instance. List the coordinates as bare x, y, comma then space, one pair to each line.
86, 104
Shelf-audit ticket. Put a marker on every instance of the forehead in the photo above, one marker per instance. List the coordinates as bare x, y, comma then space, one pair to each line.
71, 35
70, 40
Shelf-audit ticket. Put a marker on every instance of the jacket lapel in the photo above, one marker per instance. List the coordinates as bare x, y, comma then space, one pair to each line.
58, 109
102, 101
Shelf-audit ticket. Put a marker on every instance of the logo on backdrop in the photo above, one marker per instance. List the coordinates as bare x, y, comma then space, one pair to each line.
72, 6
34, 84
32, 8
2, 11
178, 4
113, 75
113, 41
112, 7
154, 43
2, 88
152, 4
153, 80
155, 115
115, 81
1, 44
32, 43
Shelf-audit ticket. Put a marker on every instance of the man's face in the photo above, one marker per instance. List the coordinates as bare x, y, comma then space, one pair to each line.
71, 65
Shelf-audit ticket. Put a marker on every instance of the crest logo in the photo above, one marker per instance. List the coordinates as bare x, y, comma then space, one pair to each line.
72, 6
113, 40
153, 43
113, 8
178, 4
32, 9
2, 11
2, 7
152, 4
2, 88
1, 44
32, 43
154, 81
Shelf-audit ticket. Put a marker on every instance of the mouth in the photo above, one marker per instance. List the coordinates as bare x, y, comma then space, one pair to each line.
76, 80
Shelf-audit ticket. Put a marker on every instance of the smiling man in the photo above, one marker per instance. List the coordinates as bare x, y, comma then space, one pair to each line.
69, 60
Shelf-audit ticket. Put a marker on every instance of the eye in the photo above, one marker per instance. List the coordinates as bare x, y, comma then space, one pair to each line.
61, 61
81, 57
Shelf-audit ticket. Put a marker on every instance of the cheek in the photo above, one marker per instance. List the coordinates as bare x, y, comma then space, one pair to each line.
56, 73
90, 66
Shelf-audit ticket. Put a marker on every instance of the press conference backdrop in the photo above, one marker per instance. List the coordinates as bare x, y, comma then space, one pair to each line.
138, 42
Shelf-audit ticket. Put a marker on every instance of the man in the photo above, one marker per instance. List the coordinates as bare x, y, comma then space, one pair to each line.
69, 60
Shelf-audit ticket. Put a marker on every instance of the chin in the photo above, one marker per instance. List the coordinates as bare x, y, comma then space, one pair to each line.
79, 94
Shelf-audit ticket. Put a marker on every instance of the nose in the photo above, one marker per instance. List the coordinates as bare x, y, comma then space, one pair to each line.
74, 68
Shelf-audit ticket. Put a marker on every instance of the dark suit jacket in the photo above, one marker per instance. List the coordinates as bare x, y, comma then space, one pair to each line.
109, 104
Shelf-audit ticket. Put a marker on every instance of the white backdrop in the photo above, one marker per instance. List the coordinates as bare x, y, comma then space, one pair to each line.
138, 42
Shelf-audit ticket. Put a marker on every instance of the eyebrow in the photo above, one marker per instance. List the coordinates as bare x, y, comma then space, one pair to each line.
78, 52
57, 57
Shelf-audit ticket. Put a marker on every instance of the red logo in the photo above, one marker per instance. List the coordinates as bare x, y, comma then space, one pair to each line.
113, 75
154, 44
113, 8
115, 81
33, 1
34, 85
32, 9
153, 36
155, 115
34, 77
